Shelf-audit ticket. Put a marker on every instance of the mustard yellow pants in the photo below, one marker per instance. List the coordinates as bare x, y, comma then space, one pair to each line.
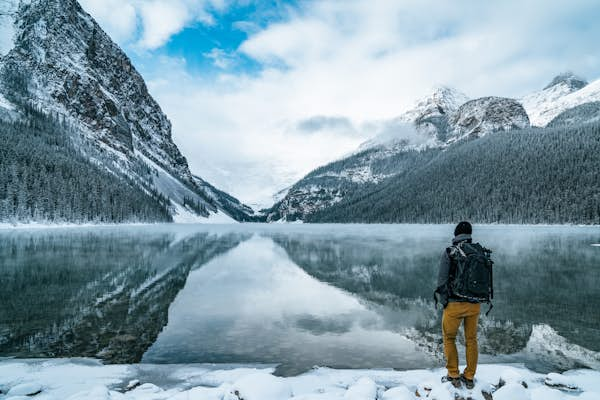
454, 314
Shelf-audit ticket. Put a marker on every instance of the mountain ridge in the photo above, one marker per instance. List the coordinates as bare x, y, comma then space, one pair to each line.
434, 128
76, 71
565, 91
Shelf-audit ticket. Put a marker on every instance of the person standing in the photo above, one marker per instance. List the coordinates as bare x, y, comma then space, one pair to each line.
464, 282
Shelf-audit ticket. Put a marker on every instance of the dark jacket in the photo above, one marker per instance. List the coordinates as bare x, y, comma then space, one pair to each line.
441, 293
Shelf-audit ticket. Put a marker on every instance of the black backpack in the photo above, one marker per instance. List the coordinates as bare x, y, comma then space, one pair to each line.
471, 276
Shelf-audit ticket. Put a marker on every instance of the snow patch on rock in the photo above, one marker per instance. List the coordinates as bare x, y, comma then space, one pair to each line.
546, 343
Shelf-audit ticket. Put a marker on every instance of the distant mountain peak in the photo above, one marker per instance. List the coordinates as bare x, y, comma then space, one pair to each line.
566, 90
429, 114
441, 91
443, 99
568, 78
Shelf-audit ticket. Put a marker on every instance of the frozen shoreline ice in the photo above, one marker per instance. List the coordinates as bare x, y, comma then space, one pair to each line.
79, 379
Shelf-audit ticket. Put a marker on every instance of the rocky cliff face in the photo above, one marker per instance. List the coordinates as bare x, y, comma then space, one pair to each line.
75, 70
478, 117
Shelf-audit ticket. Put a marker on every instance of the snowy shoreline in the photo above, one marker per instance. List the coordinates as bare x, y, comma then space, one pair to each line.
35, 225
79, 379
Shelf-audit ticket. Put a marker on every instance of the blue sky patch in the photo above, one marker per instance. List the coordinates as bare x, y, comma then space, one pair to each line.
213, 49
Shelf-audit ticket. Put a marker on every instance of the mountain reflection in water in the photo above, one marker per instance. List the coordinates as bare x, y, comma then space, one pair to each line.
337, 295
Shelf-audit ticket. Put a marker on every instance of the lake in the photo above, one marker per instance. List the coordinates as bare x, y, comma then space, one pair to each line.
347, 296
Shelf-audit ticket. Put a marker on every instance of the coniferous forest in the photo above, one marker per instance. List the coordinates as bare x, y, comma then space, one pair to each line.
536, 175
43, 177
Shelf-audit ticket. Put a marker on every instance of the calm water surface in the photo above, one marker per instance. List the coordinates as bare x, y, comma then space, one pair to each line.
355, 296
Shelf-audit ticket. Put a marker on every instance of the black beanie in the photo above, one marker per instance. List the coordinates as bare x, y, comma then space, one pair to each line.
463, 227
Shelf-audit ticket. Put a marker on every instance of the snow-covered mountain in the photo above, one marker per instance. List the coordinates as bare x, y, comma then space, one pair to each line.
565, 91
479, 117
75, 71
329, 184
444, 117
435, 122
424, 124
443, 100
430, 114
224, 201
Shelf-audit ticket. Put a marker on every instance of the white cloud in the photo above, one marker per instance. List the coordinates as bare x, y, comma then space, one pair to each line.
150, 24
221, 58
245, 143
118, 17
363, 61
161, 20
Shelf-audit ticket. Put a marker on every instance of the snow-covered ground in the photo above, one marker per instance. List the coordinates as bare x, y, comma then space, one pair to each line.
54, 225
184, 216
86, 379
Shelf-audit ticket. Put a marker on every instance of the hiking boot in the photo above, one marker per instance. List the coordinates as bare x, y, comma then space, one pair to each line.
469, 383
454, 381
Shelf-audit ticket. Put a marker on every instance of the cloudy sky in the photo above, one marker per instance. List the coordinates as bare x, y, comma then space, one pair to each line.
262, 92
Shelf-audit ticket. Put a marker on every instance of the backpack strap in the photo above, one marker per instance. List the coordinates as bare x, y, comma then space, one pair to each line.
491, 280
455, 248
490, 306
458, 247
491, 287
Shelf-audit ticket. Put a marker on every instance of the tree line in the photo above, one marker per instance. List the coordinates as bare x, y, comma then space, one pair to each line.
43, 177
536, 175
